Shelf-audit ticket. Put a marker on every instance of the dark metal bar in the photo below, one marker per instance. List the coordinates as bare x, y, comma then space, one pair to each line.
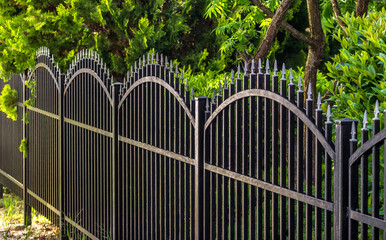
238, 221
225, 164
26, 206
375, 171
328, 175
353, 185
342, 144
260, 155
318, 172
275, 156
199, 167
232, 161
219, 162
309, 164
299, 153
364, 179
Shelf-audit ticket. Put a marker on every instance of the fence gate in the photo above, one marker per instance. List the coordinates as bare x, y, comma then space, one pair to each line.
42, 134
262, 181
156, 145
88, 155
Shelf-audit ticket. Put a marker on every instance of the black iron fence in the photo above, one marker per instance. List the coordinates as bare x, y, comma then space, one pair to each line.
147, 160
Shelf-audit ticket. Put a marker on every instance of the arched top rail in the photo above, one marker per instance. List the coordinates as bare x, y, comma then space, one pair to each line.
381, 136
43, 65
284, 102
165, 85
92, 73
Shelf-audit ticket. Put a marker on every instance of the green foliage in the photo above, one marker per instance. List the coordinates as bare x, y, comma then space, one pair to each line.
8, 102
359, 68
241, 25
121, 31
23, 147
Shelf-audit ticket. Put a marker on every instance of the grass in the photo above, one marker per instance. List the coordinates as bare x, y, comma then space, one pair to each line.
11, 221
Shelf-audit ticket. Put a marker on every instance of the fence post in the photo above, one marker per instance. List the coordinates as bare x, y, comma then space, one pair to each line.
341, 177
27, 208
199, 167
62, 174
115, 153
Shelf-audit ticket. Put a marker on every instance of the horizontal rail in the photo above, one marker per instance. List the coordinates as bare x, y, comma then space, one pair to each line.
160, 151
12, 179
88, 234
88, 127
367, 146
284, 102
272, 188
369, 220
19, 104
42, 201
48, 114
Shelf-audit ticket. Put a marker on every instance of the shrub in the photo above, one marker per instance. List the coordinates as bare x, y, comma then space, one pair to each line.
359, 67
8, 102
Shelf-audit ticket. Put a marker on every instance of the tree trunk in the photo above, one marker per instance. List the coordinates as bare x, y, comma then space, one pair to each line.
273, 29
314, 57
361, 8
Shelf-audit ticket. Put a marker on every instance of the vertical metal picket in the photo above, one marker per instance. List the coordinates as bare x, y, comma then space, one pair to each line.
62, 177
115, 156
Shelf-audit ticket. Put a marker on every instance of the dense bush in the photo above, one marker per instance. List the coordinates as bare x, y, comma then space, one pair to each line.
8, 102
359, 68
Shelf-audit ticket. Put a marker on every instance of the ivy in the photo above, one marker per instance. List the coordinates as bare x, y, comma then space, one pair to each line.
8, 102
23, 147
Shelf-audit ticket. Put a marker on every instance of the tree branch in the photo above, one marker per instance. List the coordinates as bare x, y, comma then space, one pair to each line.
273, 29
361, 8
338, 16
288, 27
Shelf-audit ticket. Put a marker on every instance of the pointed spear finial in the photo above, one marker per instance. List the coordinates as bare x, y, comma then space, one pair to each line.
162, 59
283, 71
260, 67
192, 93
238, 71
309, 92
135, 65
245, 67
319, 102
376, 110
232, 77
156, 58
108, 73
291, 77
207, 105
152, 58
101, 61
140, 63
225, 81
253, 66
187, 83
365, 119
300, 85
144, 60
177, 69
166, 61
105, 67
219, 89
214, 95
267, 66
171, 65
131, 70
328, 113
275, 67
182, 75
148, 58
353, 131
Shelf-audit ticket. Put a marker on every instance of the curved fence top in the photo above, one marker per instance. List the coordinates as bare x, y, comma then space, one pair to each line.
89, 62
